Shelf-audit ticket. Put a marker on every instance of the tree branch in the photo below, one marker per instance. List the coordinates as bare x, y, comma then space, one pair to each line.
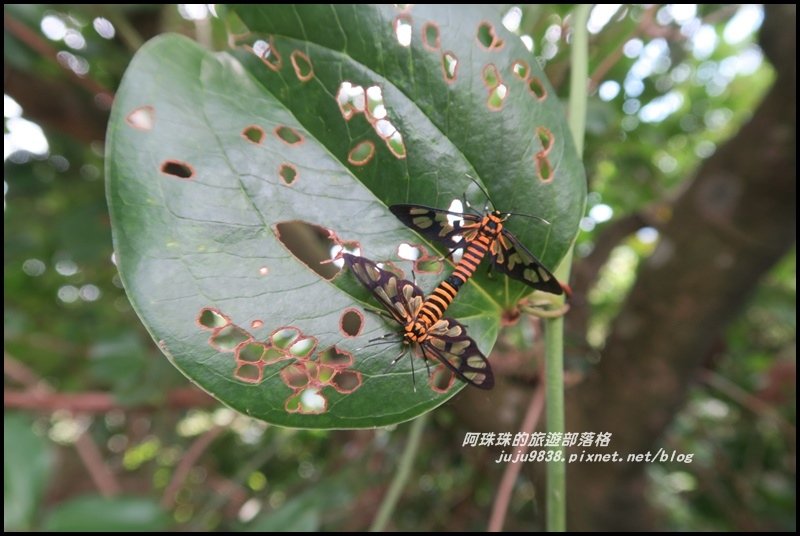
734, 222
101, 475
98, 402
187, 462
39, 45
511, 471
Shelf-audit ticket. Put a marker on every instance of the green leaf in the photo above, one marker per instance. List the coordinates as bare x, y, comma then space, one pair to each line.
97, 514
27, 459
212, 159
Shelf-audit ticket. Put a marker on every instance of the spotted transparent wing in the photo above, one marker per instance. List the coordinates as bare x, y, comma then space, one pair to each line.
516, 261
433, 223
449, 343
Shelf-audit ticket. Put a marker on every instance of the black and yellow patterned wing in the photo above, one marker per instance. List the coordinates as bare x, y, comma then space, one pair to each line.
510, 257
448, 342
401, 298
434, 224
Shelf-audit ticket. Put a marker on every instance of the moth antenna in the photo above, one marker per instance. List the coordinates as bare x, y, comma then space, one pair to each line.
546, 222
482, 189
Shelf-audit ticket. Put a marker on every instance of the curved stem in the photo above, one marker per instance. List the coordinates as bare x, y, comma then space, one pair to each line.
554, 333
401, 476
512, 470
199, 446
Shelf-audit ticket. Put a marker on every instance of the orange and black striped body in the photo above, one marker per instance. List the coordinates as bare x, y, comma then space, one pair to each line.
480, 235
488, 232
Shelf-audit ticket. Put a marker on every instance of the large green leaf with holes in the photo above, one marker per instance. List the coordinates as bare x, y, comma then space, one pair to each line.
233, 176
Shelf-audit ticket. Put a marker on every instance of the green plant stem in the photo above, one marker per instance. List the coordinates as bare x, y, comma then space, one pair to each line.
554, 332
401, 476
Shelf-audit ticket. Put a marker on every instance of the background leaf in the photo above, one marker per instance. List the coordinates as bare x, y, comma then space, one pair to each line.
213, 161
94, 513
26, 466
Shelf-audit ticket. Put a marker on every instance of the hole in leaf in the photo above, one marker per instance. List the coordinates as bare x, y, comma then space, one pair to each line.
490, 76
354, 99
521, 69
375, 106
303, 346
449, 66
284, 337
178, 169
351, 100
312, 370
537, 89
302, 65
389, 266
488, 38
396, 145
408, 252
288, 135
255, 324
430, 36
428, 265
142, 118
351, 322
267, 53
312, 402
310, 244
273, 355
335, 358
545, 138
227, 338
543, 168
376, 114
263, 270
362, 153
287, 173
249, 372
251, 352
402, 30
496, 97
292, 404
441, 379
384, 128
212, 319
352, 247
346, 381
254, 134
295, 376
325, 374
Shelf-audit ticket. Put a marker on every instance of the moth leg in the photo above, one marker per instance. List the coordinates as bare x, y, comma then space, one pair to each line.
379, 312
427, 361
413, 375
450, 253
492, 266
382, 337
397, 358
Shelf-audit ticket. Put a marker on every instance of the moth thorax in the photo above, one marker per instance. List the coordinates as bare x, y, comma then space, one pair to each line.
418, 331
493, 223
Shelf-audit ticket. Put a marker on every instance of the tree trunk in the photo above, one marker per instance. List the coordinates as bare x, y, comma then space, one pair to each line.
732, 224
